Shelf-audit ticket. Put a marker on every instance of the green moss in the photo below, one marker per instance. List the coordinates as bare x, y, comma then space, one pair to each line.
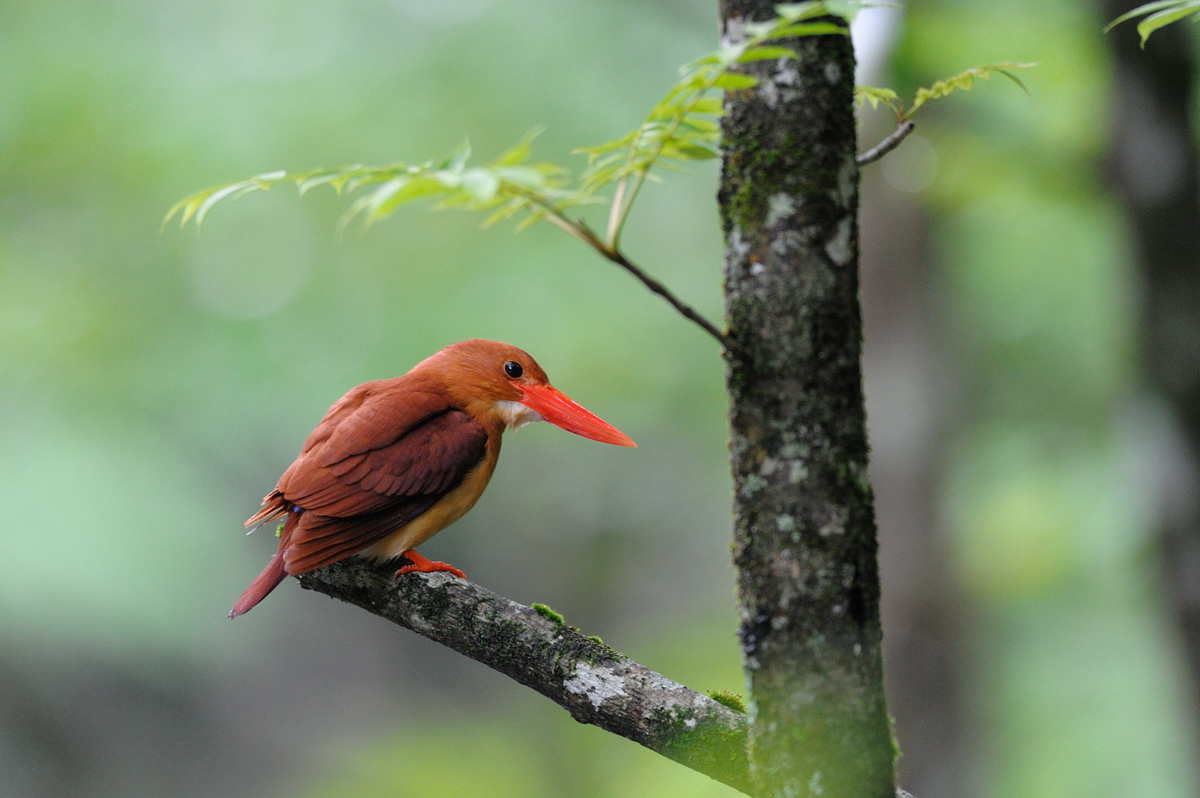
895, 740
748, 206
702, 743
546, 612
852, 475
731, 700
591, 650
515, 636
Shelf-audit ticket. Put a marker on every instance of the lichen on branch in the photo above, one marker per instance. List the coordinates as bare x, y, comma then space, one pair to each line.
593, 682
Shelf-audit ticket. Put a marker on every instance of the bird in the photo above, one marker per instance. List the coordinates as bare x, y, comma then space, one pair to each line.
395, 461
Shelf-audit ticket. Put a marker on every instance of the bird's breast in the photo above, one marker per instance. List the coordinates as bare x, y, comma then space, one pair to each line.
451, 507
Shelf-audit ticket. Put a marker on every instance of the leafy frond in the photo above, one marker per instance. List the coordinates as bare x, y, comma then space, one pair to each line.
963, 80
1158, 15
510, 181
876, 95
199, 204
683, 125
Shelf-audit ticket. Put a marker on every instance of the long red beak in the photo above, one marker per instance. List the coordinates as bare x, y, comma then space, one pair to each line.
554, 406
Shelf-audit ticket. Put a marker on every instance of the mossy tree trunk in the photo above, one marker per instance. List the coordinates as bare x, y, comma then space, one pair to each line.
804, 525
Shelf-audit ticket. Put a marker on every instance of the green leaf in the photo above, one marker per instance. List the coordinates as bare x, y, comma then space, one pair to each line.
529, 221
848, 9
686, 151
186, 208
964, 80
457, 159
513, 206
734, 81
519, 152
350, 177
710, 59
481, 184
709, 105
366, 178
810, 29
1161, 13
198, 205
1020, 84
794, 12
1166, 17
384, 194
707, 128
334, 177
681, 127
875, 95
398, 191
766, 54
528, 177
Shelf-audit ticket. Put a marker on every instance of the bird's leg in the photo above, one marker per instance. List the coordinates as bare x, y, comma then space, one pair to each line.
423, 565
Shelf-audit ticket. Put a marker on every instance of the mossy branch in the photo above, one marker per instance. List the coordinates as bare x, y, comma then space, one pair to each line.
594, 683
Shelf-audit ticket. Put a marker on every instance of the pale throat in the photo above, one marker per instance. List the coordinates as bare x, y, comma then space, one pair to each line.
516, 415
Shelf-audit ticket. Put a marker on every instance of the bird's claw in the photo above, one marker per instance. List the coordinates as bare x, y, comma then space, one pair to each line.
422, 565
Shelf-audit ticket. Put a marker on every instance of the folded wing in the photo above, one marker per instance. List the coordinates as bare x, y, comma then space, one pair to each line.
370, 467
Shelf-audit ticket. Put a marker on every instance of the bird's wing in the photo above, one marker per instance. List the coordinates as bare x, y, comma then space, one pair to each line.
319, 540
429, 459
373, 415
373, 465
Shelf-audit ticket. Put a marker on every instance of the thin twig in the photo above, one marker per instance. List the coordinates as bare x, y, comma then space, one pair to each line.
591, 681
615, 239
567, 226
614, 233
688, 312
891, 142
578, 229
617, 257
615, 215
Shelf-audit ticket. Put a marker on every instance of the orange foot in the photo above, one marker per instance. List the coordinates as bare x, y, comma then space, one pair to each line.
423, 565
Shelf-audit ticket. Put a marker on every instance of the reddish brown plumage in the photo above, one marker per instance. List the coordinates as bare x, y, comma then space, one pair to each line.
395, 461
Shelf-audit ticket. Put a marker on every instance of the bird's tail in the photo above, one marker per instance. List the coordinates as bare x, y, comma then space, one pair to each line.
271, 576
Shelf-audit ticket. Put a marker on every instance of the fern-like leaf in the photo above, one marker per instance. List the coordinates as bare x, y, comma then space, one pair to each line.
876, 96
510, 181
1158, 15
964, 80
683, 126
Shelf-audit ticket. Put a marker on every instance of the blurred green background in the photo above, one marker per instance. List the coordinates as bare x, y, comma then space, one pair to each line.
153, 385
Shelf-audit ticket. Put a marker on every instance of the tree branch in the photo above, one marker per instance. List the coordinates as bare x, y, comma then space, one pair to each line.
614, 255
889, 143
594, 683
578, 229
688, 312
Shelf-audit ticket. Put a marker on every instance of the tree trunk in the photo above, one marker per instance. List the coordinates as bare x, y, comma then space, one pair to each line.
804, 525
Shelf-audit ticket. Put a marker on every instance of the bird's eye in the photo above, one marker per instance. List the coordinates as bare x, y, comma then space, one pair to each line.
513, 369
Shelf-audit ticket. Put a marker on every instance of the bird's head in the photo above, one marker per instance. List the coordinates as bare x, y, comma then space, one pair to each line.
498, 382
